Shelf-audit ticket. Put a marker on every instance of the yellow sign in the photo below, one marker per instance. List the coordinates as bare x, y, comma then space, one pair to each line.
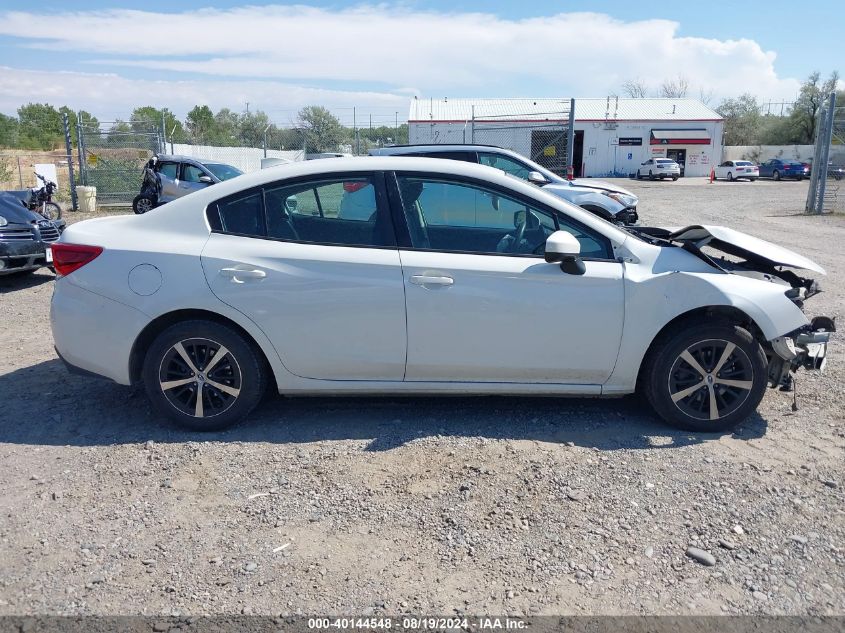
549, 150
92, 159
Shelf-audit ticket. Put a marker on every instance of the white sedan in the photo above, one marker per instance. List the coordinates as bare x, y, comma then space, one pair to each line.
736, 169
661, 168
509, 290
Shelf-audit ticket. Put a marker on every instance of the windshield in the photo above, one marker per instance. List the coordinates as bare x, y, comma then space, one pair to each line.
223, 171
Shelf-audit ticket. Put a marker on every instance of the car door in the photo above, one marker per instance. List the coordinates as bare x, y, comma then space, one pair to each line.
482, 303
168, 174
767, 168
326, 290
189, 179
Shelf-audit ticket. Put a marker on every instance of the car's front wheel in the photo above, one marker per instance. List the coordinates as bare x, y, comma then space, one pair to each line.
705, 377
204, 375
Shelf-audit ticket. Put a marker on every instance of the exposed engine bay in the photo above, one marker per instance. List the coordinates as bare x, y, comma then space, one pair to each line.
740, 254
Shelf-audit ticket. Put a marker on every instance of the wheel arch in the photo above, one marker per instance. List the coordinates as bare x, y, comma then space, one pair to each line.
704, 314
164, 321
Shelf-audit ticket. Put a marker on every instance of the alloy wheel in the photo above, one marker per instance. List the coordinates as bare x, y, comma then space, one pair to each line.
200, 378
143, 205
711, 379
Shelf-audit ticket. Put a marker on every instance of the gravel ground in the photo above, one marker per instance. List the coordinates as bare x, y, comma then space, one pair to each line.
438, 506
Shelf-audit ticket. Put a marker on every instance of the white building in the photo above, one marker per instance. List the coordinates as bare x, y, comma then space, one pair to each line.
612, 135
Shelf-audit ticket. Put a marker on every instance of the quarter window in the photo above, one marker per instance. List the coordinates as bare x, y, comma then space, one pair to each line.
242, 215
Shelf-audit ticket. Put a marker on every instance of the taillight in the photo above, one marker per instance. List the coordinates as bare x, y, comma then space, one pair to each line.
70, 257
352, 187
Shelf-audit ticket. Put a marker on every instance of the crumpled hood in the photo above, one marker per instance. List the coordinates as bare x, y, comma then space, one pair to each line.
602, 185
743, 245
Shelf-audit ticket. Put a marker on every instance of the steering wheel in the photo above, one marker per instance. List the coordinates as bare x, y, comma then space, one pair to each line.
520, 231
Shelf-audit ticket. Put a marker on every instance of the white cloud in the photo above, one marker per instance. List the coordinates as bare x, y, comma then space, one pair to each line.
109, 96
442, 54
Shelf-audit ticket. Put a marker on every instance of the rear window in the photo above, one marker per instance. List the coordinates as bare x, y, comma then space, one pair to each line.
743, 163
665, 160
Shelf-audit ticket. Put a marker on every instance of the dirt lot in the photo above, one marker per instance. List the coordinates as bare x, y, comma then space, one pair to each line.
435, 506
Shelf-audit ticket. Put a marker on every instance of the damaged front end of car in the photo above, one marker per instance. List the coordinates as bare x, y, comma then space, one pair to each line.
738, 253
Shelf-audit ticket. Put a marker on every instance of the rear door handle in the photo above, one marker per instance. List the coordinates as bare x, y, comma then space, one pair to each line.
431, 280
238, 275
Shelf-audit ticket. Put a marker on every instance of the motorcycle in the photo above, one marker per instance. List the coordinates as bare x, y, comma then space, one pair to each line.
42, 199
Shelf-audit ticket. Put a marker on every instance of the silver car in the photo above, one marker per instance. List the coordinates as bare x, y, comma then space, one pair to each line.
181, 175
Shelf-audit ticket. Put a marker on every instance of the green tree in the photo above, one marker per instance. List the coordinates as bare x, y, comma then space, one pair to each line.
227, 127
200, 124
147, 119
252, 126
323, 131
9, 129
742, 120
89, 121
40, 126
805, 110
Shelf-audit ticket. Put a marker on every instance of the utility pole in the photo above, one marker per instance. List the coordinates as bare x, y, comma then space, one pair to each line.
265, 139
396, 135
355, 129
247, 107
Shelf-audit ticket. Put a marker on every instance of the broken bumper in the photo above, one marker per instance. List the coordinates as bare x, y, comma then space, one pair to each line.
805, 347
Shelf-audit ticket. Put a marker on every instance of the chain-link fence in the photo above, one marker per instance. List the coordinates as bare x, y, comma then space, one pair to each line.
827, 180
112, 156
544, 144
18, 169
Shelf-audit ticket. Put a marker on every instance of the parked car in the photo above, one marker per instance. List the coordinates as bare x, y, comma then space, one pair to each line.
25, 237
511, 291
736, 169
660, 168
181, 175
777, 169
837, 172
605, 199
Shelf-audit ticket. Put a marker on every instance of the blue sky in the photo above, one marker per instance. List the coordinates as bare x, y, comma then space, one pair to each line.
376, 56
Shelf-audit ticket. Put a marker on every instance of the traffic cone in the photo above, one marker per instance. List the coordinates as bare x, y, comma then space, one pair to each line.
712, 175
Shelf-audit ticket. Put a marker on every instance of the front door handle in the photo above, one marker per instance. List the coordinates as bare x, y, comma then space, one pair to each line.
431, 280
238, 275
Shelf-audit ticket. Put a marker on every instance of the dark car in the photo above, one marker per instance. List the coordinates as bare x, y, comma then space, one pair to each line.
778, 168
25, 237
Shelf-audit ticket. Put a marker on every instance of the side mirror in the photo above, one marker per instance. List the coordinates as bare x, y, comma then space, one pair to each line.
206, 179
564, 248
537, 178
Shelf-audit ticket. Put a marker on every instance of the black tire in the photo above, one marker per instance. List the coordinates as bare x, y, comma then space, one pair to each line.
730, 176
50, 210
639, 175
751, 179
666, 374
674, 178
240, 372
776, 174
650, 175
143, 203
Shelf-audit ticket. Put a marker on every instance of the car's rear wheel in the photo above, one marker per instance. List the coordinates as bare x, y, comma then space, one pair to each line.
204, 375
143, 203
776, 174
705, 377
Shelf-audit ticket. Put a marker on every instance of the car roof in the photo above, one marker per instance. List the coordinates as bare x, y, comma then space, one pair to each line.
433, 147
200, 199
